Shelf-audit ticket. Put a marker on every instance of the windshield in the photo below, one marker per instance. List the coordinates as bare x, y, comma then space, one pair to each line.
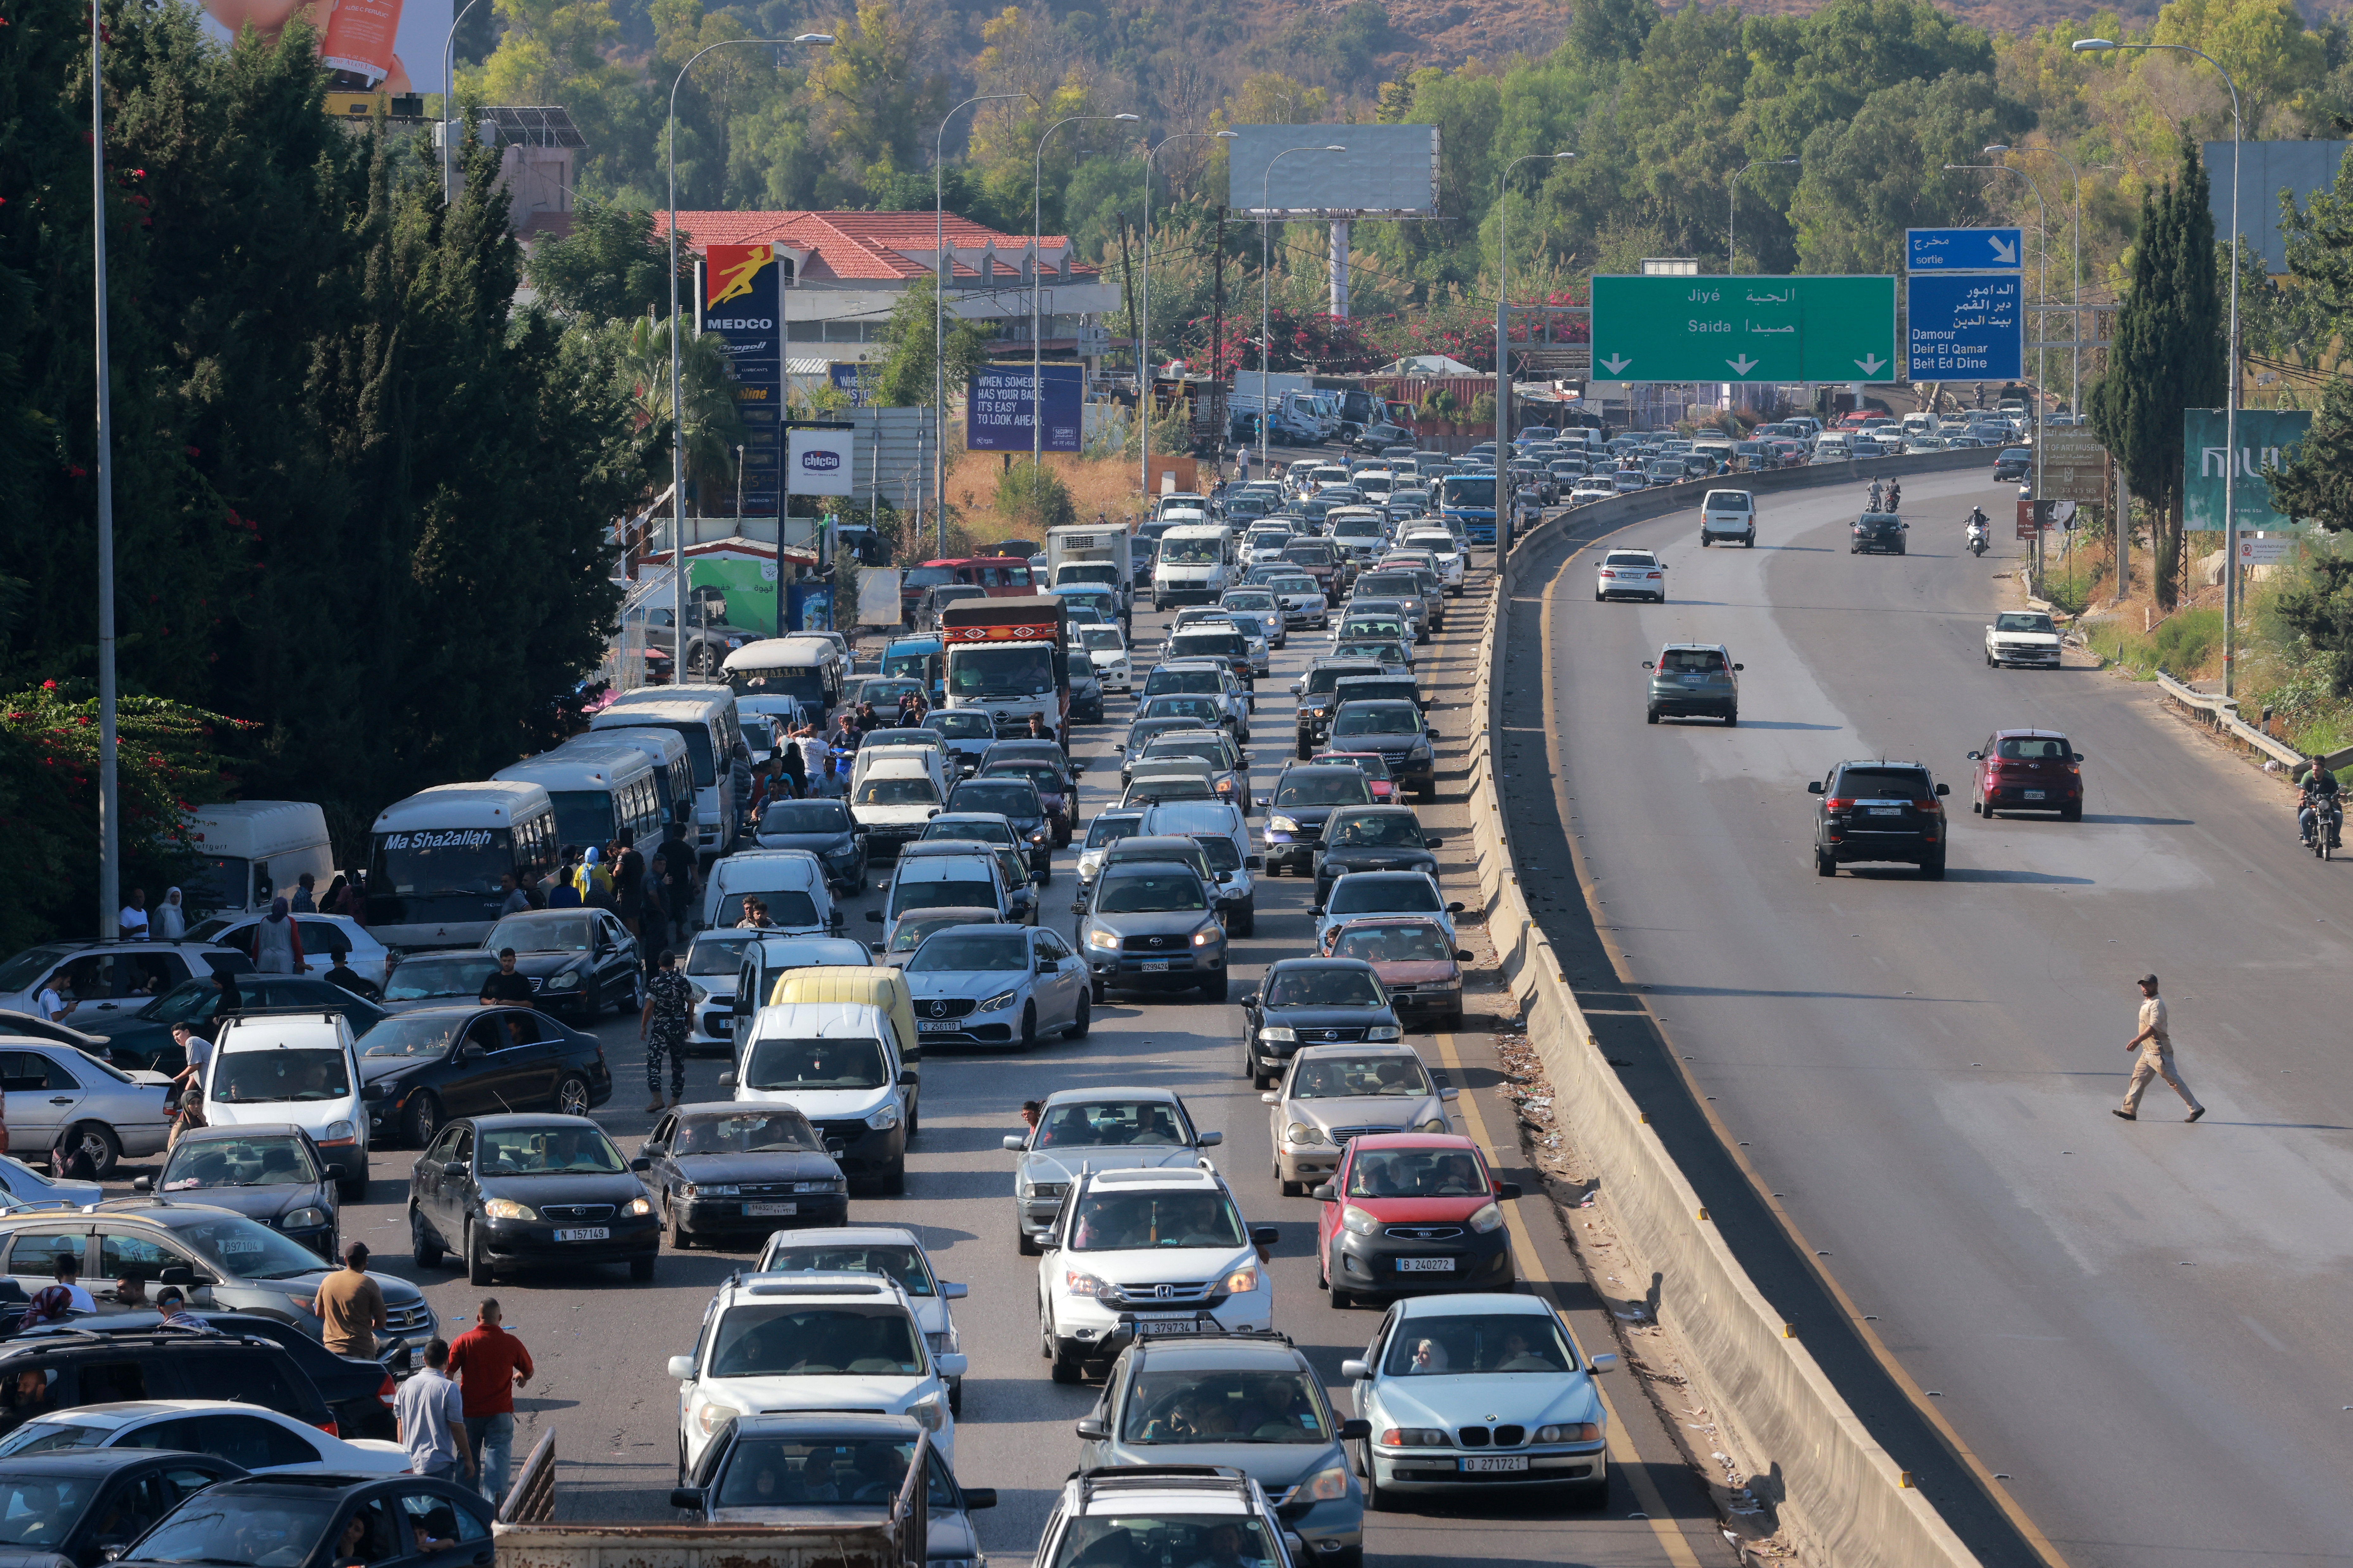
1383, 720
2032, 748
583, 816
916, 791
418, 1035
1125, 1222
263, 1161
1207, 645
1249, 602
944, 895
904, 1264
1371, 829
549, 1152
1107, 829
1111, 1124
1371, 895
1416, 1173
1293, 585
2012, 623
963, 726
804, 817
428, 975
1353, 1077
1192, 552
251, 1078
1188, 1406
1190, 745
1166, 681
1181, 705
1691, 661
713, 953
1333, 788
983, 830
788, 908
780, 1063
260, 1532
1149, 892
1201, 1540
1317, 986
816, 1341
783, 1472
1408, 941
250, 1250
30, 965
953, 951
440, 860
1101, 639
1884, 783
753, 1131
537, 933
39, 1509
1011, 671
1386, 627
1467, 490
1479, 1342
909, 933
1044, 777
1003, 797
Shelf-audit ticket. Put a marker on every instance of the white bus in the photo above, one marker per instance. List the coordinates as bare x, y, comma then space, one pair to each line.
673, 769
597, 790
809, 670
434, 860
705, 717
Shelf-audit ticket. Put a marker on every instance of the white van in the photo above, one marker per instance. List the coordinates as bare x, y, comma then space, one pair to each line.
673, 769
294, 1068
596, 791
252, 851
1195, 562
841, 1065
895, 796
706, 717
434, 860
884, 746
791, 882
1729, 517
808, 668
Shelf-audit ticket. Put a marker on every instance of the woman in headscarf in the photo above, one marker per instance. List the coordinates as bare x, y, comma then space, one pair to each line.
170, 916
276, 944
332, 904
595, 882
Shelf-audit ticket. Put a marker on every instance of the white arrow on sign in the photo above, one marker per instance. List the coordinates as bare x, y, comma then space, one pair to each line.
1741, 365
1871, 366
1615, 363
2005, 254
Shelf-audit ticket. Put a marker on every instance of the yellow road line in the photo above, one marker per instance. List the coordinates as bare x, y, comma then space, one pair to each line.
1622, 1456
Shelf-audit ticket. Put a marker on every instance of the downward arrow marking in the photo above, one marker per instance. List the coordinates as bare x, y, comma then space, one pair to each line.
1615, 363
1871, 366
2005, 254
1741, 365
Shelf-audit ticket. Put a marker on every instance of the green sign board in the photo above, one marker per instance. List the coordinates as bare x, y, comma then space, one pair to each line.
2265, 435
1744, 328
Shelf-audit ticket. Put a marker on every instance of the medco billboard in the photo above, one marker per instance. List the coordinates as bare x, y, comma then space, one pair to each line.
741, 300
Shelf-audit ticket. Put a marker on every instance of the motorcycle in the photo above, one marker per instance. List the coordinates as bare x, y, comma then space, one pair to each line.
2323, 833
1977, 539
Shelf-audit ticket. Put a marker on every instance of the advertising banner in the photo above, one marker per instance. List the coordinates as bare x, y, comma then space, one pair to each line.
371, 46
2267, 435
845, 381
2265, 549
2076, 467
741, 298
822, 462
997, 413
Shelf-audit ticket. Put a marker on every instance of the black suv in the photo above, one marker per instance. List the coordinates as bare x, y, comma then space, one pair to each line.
1876, 532
358, 1390
44, 1373
1879, 811
1316, 698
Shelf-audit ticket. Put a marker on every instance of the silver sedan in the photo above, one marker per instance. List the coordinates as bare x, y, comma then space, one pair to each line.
54, 1090
1097, 1129
1333, 1093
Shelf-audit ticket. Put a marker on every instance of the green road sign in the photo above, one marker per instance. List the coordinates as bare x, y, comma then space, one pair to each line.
1744, 328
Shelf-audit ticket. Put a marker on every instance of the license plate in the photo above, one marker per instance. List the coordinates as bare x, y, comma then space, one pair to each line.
760, 1209
587, 1232
1695, 681
1147, 1328
1490, 1464
1425, 1266
1886, 811
937, 1025
1154, 965
2034, 794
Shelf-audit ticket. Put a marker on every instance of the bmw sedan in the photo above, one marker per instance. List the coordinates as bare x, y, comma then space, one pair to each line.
997, 985
726, 1171
418, 1069
1335, 1093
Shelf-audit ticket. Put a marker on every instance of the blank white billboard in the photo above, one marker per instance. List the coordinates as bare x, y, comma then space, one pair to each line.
1384, 171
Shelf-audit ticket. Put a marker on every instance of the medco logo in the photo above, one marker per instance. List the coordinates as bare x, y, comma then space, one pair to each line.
820, 462
740, 323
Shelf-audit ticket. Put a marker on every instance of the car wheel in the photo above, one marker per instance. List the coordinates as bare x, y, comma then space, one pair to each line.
1250, 917
1213, 989
1824, 865
1934, 870
641, 1269
1066, 1369
1029, 1025
102, 1145
571, 1096
478, 1261
1097, 991
1341, 1298
423, 1245
1702, 539
1596, 596
1375, 1499
1081, 1022
1732, 717
894, 1180
2071, 813
352, 1191
1749, 542
1023, 1245
1651, 716
674, 1229
630, 1001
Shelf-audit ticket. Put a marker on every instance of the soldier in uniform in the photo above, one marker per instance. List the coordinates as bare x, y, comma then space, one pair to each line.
662, 1023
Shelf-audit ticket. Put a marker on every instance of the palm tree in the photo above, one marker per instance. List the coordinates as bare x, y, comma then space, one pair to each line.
713, 425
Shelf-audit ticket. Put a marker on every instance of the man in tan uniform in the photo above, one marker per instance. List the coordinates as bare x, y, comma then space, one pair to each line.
2155, 1043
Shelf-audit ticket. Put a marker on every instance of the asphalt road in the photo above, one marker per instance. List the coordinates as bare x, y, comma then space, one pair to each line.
601, 1341
2127, 1339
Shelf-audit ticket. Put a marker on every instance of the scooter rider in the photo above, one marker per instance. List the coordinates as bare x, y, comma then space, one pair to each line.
2320, 794
1975, 538
1895, 495
1875, 496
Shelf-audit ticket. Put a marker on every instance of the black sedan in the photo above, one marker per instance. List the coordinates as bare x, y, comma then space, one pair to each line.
1017, 800
1312, 1002
439, 978
269, 1173
1876, 532
1372, 838
530, 1189
577, 961
728, 1171
71, 1506
144, 1039
318, 1521
1143, 732
421, 1068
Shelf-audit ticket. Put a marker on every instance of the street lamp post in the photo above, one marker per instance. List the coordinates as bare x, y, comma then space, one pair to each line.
1143, 336
677, 404
2041, 369
1731, 201
109, 799
1037, 225
1265, 366
449, 90
941, 264
2231, 408
1502, 326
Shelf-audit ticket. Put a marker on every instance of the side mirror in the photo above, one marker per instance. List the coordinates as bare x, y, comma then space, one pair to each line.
1507, 1190
641, 1164
1647, 664
1454, 909
1265, 1235
1270, 1098
875, 916
1264, 801
1979, 756
1325, 1194
1943, 789
952, 1363
1094, 1430
1255, 862
1016, 1143
1433, 843
1210, 1139
909, 1078
1606, 1361
1740, 666
727, 1080
1355, 1429
1355, 1371
1449, 1094
2075, 756
954, 1290
682, 1367
876, 948
178, 1274
143, 1184
454, 1168
1249, 998
1815, 787
686, 1498
979, 1497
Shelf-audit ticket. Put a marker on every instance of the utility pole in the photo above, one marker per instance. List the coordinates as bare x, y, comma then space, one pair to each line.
1218, 338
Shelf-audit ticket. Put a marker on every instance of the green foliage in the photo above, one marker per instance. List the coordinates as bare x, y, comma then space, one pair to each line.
1034, 498
611, 264
2315, 484
904, 376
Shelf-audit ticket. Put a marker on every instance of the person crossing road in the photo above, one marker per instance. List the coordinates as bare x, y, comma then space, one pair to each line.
662, 1024
2155, 1043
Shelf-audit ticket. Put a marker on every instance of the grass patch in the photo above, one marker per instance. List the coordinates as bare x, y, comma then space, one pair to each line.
2184, 645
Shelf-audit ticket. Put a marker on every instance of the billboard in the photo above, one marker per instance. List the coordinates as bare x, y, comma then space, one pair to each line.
997, 408
740, 295
2265, 436
820, 462
2305, 169
372, 46
1385, 170
2074, 464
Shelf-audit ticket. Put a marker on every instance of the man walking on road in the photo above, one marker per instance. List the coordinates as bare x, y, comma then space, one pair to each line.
662, 1023
350, 1306
2155, 1043
428, 1417
491, 1364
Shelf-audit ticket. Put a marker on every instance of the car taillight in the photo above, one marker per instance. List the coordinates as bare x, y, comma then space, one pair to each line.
328, 1426
1926, 803
1839, 802
386, 1391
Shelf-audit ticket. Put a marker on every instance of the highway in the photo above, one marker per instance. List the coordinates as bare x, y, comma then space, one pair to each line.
601, 1341
2139, 1329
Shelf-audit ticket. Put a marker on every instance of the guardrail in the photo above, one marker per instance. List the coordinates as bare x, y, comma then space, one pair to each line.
1841, 1500
532, 1498
2221, 715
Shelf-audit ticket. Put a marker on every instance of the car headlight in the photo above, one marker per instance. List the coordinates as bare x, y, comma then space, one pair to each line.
1418, 753
1411, 1437
1384, 1032
1325, 1485
1486, 1219
998, 1003
567, 981
1435, 1124
1302, 1133
824, 1186
1242, 1280
638, 1208
1359, 1221
339, 1132
696, 991
1107, 940
507, 1208
930, 1412
303, 1219
1573, 1432
1278, 1032
1282, 824
1078, 1282
1208, 934
885, 1119
710, 1415
713, 1190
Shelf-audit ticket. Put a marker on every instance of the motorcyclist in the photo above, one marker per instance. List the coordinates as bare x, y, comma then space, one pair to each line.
1875, 496
1975, 537
2320, 794
1895, 495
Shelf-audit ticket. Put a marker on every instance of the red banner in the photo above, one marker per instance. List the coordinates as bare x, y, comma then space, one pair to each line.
1041, 633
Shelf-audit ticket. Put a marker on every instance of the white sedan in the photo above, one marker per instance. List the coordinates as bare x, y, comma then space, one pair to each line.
2022, 636
1630, 574
1589, 491
263, 1441
323, 937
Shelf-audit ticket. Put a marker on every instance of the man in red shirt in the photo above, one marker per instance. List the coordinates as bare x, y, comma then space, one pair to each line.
490, 1364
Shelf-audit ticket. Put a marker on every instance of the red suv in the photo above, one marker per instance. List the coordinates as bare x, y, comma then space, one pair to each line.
2027, 770
1409, 1212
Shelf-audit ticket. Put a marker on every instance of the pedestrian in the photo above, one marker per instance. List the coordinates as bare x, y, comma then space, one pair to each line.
812, 748
628, 880
341, 974
170, 916
829, 785
661, 1023
512, 900
52, 1303
2155, 1043
48, 1003
429, 1419
490, 1364
171, 1302
337, 891
276, 944
793, 761
350, 1307
195, 1054
674, 867
70, 1158
303, 901
564, 891
503, 985
355, 901
595, 883
739, 779
132, 920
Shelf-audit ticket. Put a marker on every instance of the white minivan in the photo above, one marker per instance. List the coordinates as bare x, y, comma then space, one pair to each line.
790, 881
1729, 517
251, 851
294, 1068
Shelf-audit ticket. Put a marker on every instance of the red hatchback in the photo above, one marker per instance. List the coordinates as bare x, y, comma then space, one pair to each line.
1409, 1212
1373, 765
2027, 770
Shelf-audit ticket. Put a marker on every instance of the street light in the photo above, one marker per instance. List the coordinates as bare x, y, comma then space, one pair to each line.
1503, 321
110, 801
2041, 375
2075, 364
1144, 337
2230, 408
677, 407
1037, 227
1731, 201
939, 309
448, 85
1265, 197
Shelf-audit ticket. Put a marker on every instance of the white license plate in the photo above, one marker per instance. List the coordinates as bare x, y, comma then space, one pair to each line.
938, 1025
771, 1208
1695, 681
2034, 794
1886, 811
1425, 1266
1154, 965
1495, 1462
1146, 1328
587, 1232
